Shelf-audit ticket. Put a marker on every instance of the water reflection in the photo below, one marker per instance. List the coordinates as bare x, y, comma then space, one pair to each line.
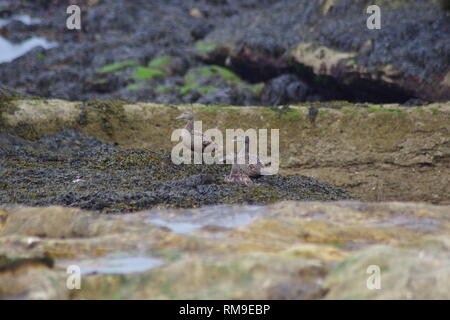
10, 50
221, 216
118, 265
22, 18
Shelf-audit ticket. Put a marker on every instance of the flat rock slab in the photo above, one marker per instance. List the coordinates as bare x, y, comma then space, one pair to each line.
287, 250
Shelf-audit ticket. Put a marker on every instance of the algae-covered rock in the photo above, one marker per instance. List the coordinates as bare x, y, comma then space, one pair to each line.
416, 271
45, 223
287, 250
73, 169
329, 44
377, 152
325, 43
243, 276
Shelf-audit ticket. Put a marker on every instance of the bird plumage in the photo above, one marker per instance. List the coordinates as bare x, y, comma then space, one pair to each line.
245, 165
194, 133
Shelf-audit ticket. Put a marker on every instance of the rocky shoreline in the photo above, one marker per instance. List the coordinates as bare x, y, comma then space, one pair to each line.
139, 227
288, 250
76, 170
232, 52
93, 207
375, 152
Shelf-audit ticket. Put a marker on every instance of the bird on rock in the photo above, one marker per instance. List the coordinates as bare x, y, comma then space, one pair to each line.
249, 166
189, 142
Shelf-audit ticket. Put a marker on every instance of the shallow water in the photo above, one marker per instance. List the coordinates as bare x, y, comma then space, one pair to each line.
118, 265
411, 223
20, 17
219, 216
10, 51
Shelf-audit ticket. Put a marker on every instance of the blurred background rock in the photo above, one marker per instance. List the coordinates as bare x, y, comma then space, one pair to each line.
227, 52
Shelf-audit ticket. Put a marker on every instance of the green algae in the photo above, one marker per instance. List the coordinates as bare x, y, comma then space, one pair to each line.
156, 68
133, 86
194, 78
381, 109
255, 88
81, 171
118, 66
7, 105
206, 47
209, 71
292, 115
160, 62
146, 73
436, 111
203, 90
226, 74
108, 114
213, 107
41, 57
283, 113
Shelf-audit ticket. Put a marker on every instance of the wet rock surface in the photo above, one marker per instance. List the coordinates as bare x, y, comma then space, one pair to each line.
287, 250
83, 185
376, 152
73, 169
332, 49
90, 183
226, 52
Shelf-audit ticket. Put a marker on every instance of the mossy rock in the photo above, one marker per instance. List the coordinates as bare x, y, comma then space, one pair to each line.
147, 73
118, 66
160, 62
78, 170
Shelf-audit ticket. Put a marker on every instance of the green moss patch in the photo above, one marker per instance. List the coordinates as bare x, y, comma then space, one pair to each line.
160, 62
118, 66
6, 106
206, 47
146, 73
109, 115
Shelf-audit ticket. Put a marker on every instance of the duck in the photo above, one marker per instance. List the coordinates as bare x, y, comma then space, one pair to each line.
242, 173
189, 116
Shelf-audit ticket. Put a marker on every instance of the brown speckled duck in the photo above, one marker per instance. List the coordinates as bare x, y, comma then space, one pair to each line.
243, 172
189, 116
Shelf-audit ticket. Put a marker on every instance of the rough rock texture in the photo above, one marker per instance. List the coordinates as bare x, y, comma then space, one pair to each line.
73, 169
288, 250
329, 42
419, 270
377, 152
324, 43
